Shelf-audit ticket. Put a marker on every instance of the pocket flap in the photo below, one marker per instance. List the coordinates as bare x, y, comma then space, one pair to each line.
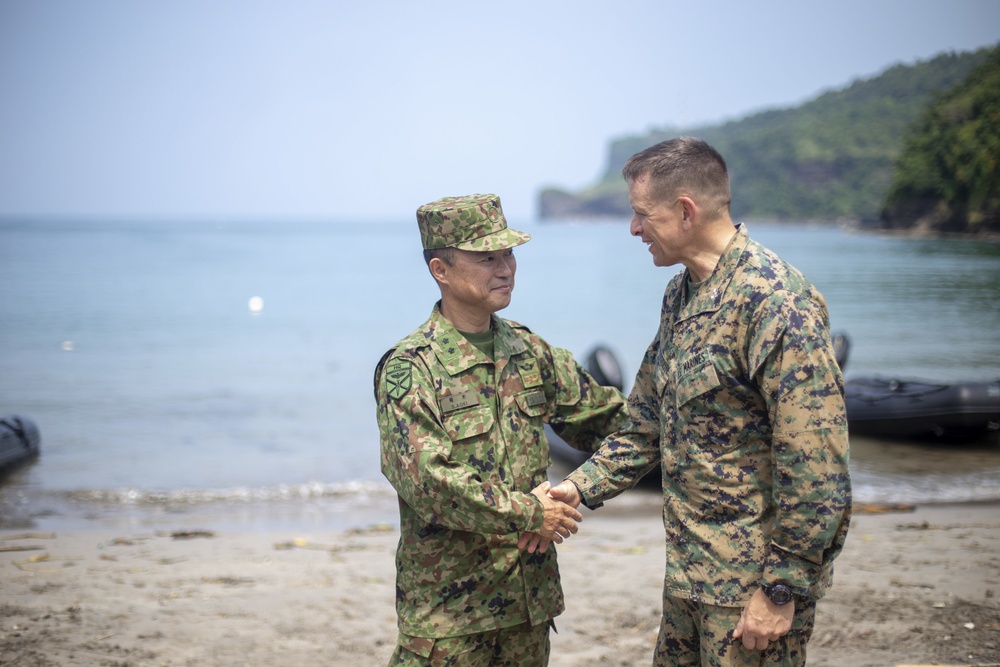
532, 403
464, 424
696, 383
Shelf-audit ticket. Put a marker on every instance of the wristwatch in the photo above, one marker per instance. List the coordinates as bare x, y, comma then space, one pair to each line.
779, 594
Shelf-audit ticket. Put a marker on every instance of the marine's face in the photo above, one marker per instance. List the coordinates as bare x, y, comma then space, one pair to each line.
657, 223
481, 282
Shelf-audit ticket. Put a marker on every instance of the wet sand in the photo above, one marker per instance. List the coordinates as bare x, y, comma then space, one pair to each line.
912, 587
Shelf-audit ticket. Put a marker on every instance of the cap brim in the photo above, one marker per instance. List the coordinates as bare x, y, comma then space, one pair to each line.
502, 240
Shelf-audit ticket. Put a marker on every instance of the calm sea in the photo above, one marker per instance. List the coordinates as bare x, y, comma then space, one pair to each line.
162, 396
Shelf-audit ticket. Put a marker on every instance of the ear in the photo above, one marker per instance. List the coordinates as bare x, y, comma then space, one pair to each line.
439, 270
689, 209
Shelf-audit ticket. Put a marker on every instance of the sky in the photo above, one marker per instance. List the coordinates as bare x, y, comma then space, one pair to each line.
299, 109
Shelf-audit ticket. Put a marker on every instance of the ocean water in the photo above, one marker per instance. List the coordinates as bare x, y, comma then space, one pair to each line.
163, 397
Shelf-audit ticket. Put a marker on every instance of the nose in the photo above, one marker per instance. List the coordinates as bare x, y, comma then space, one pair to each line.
635, 227
507, 265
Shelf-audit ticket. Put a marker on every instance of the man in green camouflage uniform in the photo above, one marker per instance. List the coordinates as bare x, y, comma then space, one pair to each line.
462, 403
739, 400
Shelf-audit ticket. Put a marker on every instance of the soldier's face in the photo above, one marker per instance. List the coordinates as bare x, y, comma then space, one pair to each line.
657, 223
481, 282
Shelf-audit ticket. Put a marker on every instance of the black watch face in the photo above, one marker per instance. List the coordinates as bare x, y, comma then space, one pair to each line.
780, 594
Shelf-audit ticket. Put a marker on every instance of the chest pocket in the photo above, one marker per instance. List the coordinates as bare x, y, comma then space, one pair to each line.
463, 424
696, 382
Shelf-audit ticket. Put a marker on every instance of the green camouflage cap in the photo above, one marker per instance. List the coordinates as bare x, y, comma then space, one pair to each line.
472, 222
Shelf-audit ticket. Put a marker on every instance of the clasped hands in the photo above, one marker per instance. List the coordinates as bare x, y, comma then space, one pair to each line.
761, 621
561, 516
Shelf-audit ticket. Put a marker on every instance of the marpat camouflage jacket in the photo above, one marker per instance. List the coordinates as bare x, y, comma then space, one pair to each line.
463, 475
739, 398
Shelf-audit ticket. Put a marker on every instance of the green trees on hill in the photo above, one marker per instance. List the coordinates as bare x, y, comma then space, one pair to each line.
832, 157
947, 178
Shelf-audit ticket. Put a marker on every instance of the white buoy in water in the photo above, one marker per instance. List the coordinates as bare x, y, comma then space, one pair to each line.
256, 304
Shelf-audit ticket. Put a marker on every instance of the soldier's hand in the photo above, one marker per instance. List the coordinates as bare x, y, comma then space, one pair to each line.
567, 492
558, 523
763, 621
533, 542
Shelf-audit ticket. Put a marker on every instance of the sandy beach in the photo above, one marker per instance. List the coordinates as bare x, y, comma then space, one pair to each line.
915, 586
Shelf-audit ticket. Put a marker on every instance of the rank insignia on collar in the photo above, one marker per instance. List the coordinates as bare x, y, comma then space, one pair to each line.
398, 376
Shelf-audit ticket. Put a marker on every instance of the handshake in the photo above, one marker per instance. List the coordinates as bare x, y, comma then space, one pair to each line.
561, 516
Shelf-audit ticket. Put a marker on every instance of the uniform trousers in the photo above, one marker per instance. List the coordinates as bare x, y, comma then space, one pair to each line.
518, 646
693, 634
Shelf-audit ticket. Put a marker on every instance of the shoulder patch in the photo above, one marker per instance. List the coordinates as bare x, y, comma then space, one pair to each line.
378, 371
398, 377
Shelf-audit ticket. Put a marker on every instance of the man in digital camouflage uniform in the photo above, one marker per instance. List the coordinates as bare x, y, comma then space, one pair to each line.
739, 400
462, 403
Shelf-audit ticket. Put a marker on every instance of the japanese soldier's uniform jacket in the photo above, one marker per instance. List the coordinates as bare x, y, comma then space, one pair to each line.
463, 443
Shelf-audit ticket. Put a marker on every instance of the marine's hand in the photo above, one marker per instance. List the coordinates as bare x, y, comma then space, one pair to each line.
762, 621
567, 492
558, 523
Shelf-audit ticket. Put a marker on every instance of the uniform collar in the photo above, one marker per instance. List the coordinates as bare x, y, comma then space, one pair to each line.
457, 354
712, 292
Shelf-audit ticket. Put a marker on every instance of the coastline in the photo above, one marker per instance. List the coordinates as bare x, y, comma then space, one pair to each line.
853, 225
917, 586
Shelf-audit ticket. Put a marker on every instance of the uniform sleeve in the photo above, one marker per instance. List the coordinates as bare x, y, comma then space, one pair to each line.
627, 455
802, 386
415, 458
584, 412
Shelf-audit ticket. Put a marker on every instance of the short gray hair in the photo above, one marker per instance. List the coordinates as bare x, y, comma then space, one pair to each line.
683, 166
446, 255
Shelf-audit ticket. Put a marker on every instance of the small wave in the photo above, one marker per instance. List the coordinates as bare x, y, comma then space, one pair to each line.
241, 494
927, 489
309, 505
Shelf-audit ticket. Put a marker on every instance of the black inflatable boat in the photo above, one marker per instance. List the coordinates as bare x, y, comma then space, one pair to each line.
913, 409
19, 442
919, 409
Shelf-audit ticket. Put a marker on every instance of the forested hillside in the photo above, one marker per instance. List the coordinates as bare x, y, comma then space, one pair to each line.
830, 158
947, 179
